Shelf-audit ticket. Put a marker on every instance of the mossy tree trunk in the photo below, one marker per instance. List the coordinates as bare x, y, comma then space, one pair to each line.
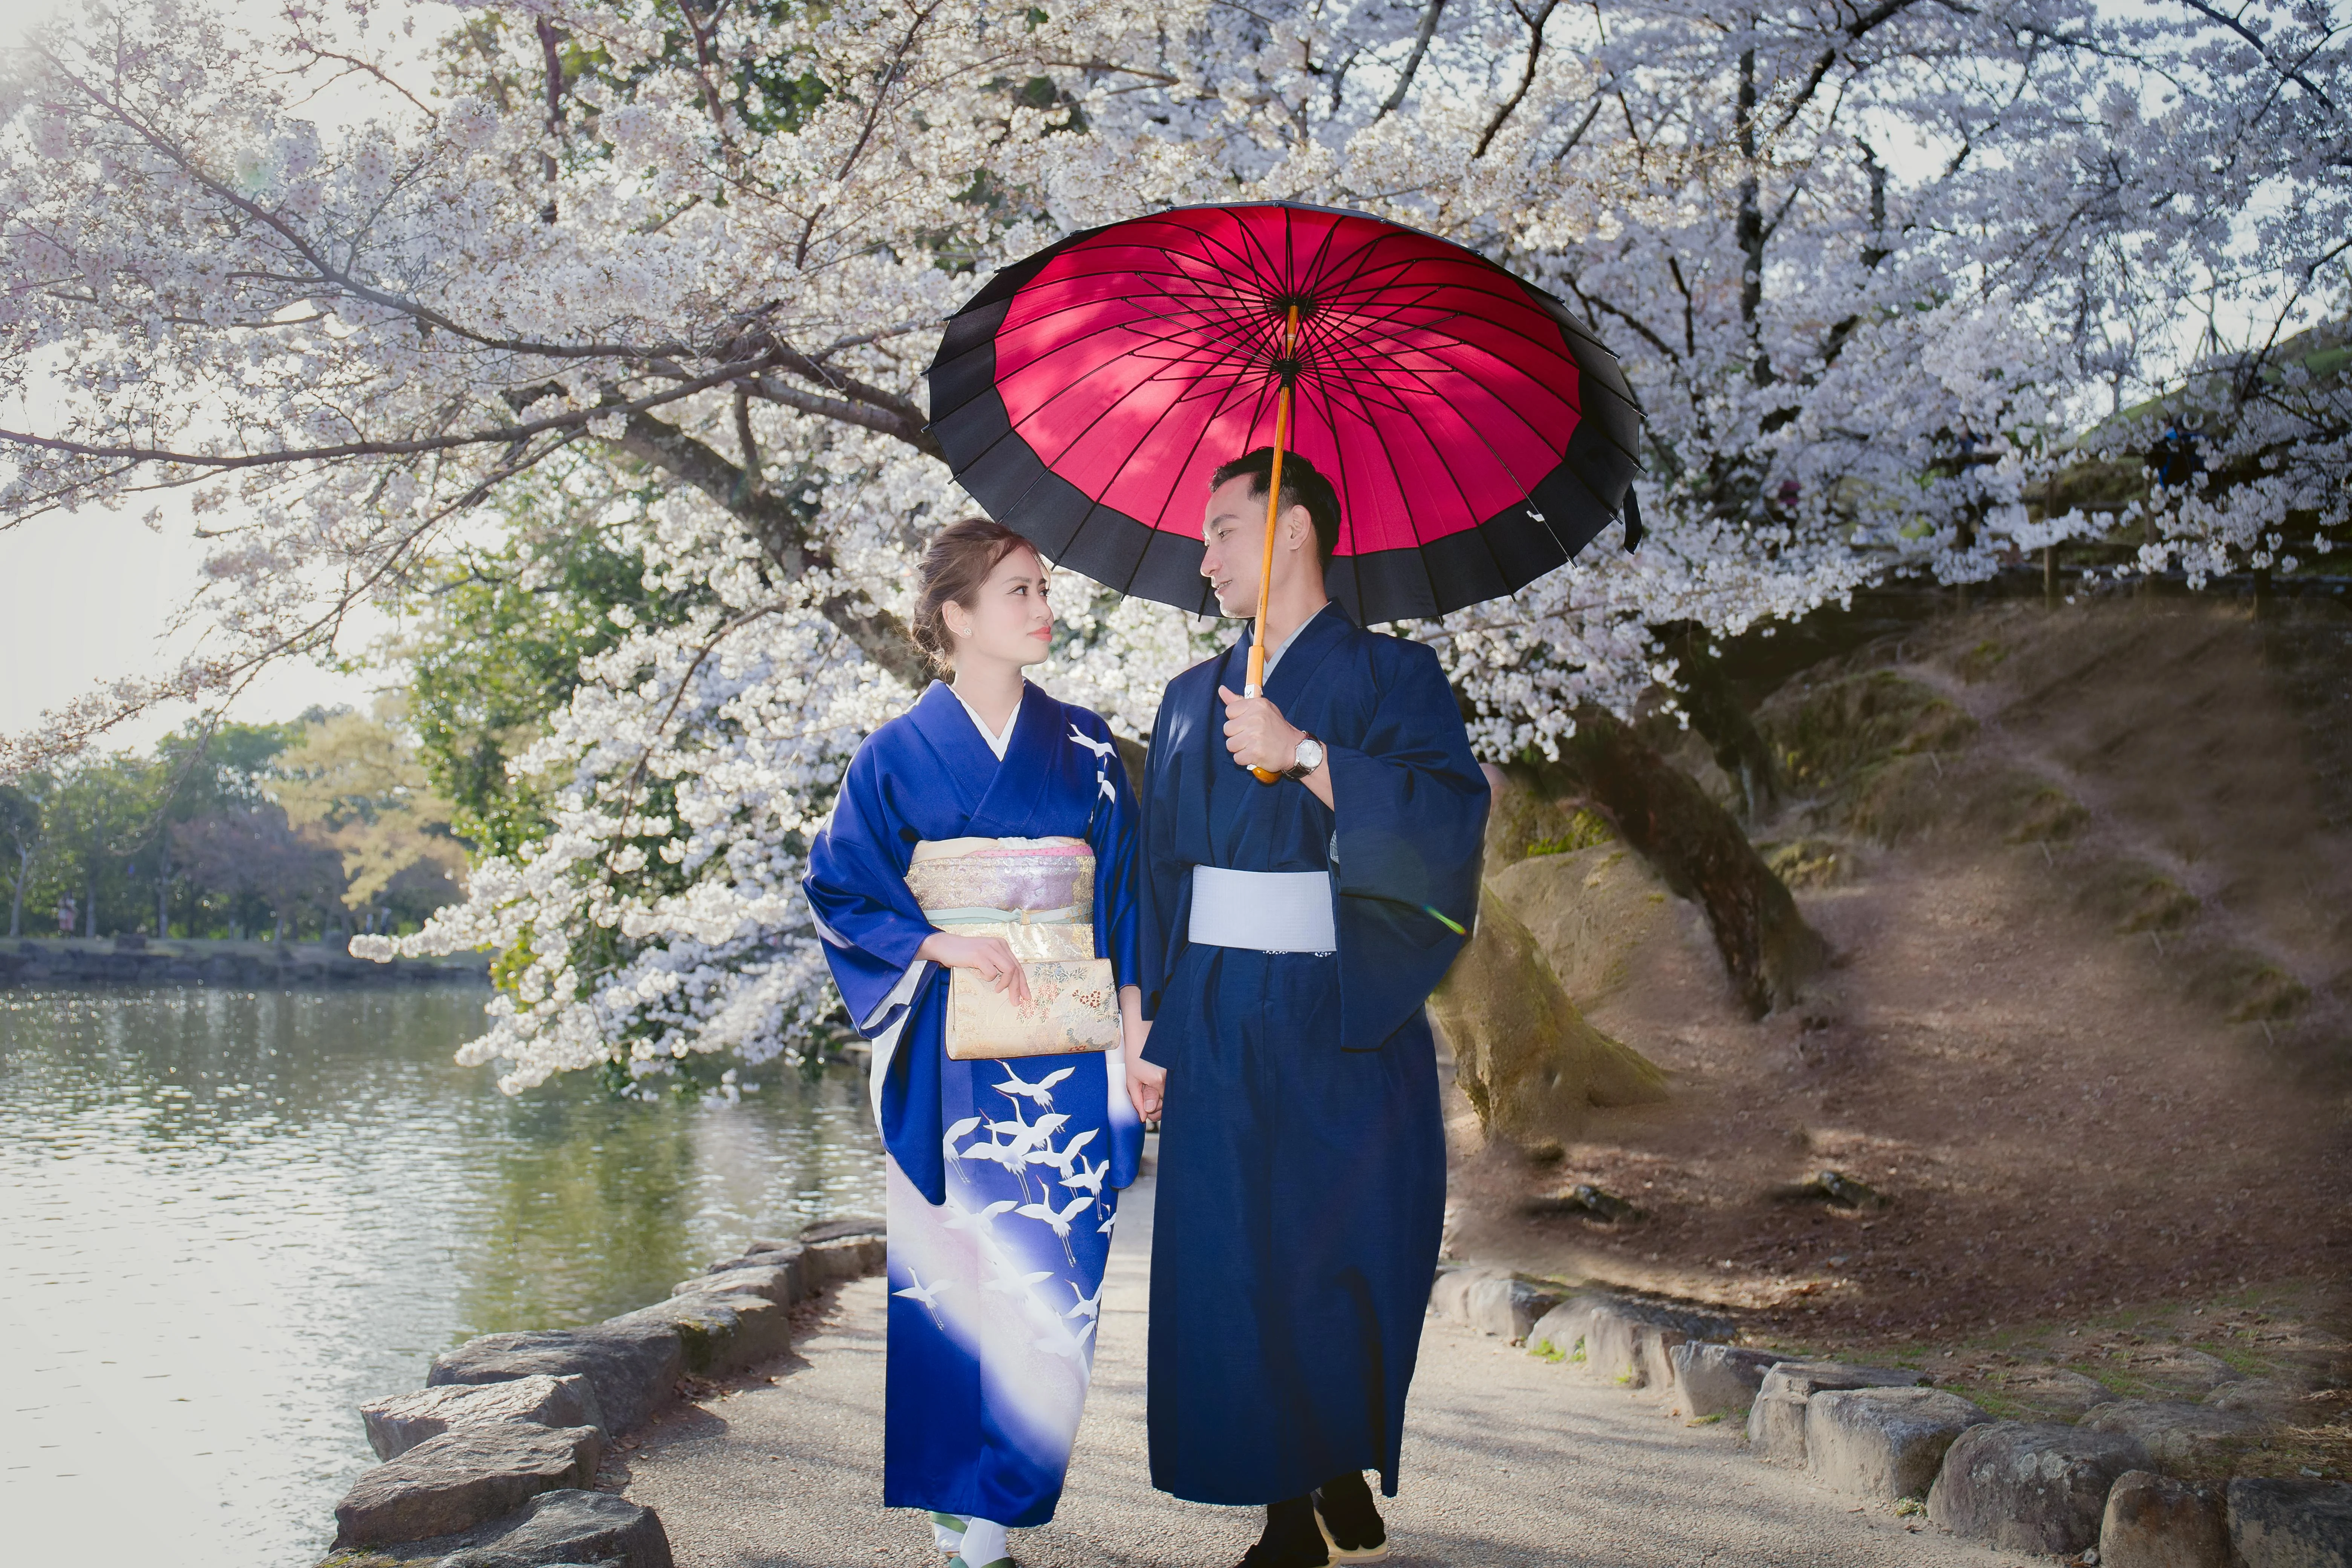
1697, 848
1721, 720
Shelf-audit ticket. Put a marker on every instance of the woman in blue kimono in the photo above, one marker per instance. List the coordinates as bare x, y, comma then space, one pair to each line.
1003, 1176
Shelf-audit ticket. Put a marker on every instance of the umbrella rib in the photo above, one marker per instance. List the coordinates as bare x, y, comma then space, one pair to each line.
1135, 451
1395, 367
1468, 506
1501, 461
1075, 382
1177, 471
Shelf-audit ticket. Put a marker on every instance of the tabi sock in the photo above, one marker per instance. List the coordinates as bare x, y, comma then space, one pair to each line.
947, 1531
1349, 1520
1291, 1539
984, 1543
1353, 1523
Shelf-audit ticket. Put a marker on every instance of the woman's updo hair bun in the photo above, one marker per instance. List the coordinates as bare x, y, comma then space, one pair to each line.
953, 568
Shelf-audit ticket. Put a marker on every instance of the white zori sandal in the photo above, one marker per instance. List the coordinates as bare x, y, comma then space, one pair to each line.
947, 1533
981, 1544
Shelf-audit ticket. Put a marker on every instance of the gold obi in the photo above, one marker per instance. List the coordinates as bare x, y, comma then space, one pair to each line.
1038, 895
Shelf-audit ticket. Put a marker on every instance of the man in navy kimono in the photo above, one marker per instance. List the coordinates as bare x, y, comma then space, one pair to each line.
1291, 933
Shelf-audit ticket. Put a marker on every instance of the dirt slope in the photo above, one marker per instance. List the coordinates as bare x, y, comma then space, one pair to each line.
2088, 877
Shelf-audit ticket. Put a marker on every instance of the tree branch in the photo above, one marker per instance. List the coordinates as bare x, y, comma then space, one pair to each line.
2254, 41
1395, 99
1884, 11
879, 634
1527, 77
502, 434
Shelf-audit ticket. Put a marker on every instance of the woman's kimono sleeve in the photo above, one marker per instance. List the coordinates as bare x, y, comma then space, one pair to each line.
1410, 815
1112, 833
871, 926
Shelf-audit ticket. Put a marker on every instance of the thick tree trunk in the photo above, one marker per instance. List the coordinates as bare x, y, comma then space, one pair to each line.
1722, 720
1696, 846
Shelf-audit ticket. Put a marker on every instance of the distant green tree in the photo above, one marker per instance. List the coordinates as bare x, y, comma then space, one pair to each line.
94, 823
21, 805
208, 774
499, 633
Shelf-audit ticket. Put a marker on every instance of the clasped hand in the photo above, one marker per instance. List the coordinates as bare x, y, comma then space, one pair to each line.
991, 956
1258, 736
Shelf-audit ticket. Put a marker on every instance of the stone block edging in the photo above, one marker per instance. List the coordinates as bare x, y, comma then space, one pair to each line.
493, 1464
1881, 1433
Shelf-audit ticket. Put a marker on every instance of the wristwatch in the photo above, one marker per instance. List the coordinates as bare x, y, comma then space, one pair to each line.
1309, 757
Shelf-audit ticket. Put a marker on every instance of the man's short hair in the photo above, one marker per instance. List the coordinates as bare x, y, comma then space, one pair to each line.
1302, 485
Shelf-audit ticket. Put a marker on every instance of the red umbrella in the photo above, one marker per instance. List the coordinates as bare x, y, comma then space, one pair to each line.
1477, 434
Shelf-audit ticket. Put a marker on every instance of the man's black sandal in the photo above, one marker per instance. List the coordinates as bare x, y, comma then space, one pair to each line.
1350, 1523
1291, 1539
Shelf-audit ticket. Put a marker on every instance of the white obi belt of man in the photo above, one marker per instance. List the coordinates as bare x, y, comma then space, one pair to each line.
1264, 912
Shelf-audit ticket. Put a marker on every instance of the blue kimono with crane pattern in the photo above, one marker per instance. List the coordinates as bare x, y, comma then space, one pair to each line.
1003, 1176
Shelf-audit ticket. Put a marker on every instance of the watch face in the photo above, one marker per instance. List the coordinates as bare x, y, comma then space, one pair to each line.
1310, 754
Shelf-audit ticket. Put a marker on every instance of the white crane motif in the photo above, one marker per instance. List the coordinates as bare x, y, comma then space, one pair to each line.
1103, 751
1040, 1092
929, 1295
1060, 1158
962, 1218
1086, 1179
1065, 1343
1011, 1283
962, 1129
1057, 1221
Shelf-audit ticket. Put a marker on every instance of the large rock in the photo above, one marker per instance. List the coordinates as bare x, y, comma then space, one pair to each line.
1449, 1298
2052, 1390
717, 1334
2253, 1395
2175, 1433
1562, 1330
2291, 1524
2155, 1521
1524, 1057
1598, 915
846, 1225
2029, 1486
399, 1423
1882, 1442
1775, 1417
841, 1258
458, 1480
634, 1368
781, 1285
1632, 1342
1508, 1307
569, 1527
763, 1255
1719, 1380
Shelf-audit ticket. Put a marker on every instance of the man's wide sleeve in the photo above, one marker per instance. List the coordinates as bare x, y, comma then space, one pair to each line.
1410, 804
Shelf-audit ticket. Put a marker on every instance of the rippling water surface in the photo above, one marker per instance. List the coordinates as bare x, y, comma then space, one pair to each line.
226, 1218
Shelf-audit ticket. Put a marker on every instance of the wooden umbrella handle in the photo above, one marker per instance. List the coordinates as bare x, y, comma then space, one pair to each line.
1256, 683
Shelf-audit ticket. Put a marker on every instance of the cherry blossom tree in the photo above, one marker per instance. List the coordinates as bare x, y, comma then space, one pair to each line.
1866, 265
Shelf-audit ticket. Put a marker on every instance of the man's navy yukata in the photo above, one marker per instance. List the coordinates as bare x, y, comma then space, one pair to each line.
1302, 1159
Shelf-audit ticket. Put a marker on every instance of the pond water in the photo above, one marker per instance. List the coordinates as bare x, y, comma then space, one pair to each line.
230, 1216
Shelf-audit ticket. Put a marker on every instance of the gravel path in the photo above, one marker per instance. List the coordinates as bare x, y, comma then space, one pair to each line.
1508, 1461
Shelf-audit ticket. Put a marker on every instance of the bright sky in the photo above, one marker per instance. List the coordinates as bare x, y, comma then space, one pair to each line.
88, 598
